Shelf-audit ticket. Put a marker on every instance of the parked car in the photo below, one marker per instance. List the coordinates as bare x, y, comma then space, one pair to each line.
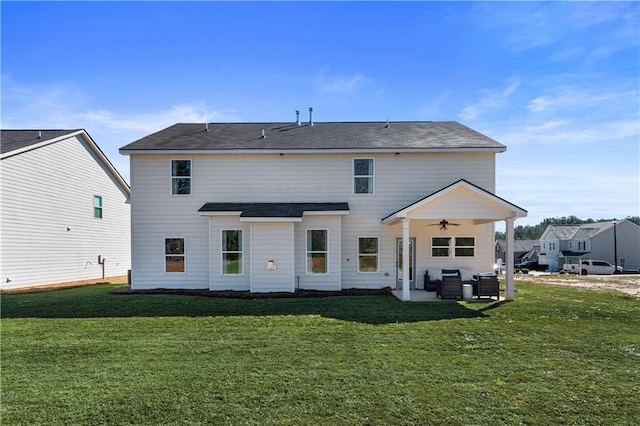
594, 267
529, 265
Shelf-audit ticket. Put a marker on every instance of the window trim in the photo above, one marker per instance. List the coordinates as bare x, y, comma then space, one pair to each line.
101, 207
223, 252
307, 251
452, 247
377, 255
456, 246
172, 177
372, 176
448, 247
184, 255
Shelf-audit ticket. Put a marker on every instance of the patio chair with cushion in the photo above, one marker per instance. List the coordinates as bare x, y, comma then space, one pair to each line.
486, 286
451, 287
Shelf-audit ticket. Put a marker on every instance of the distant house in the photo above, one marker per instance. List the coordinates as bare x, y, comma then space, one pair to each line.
266, 207
560, 244
522, 250
64, 211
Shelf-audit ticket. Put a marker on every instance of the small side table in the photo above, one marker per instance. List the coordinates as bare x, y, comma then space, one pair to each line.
467, 292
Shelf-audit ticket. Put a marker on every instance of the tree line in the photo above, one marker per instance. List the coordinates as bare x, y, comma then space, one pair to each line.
529, 232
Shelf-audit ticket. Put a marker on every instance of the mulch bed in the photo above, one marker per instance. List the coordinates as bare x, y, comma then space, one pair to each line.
248, 295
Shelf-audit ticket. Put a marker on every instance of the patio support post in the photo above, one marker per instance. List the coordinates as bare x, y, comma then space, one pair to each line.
509, 292
406, 294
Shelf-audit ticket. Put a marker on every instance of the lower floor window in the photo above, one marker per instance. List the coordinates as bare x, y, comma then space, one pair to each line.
440, 246
232, 252
174, 255
453, 246
465, 247
368, 254
317, 251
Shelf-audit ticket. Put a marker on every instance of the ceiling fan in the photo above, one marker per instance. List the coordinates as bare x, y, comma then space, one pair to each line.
443, 224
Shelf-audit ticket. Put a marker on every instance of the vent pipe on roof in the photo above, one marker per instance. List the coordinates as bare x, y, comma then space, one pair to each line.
39, 134
206, 127
263, 136
310, 116
387, 123
297, 117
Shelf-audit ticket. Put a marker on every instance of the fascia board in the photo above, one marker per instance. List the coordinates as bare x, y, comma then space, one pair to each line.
326, 213
271, 219
305, 151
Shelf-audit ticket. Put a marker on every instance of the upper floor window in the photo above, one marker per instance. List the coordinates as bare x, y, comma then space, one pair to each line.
363, 173
582, 245
174, 255
232, 252
368, 254
317, 251
552, 245
97, 206
180, 177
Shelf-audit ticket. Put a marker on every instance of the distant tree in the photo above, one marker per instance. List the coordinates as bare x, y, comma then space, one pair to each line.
634, 219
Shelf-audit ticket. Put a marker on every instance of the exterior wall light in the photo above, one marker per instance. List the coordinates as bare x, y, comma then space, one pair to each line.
271, 265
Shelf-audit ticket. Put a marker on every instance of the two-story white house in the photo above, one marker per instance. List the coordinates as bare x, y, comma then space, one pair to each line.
64, 210
267, 207
560, 244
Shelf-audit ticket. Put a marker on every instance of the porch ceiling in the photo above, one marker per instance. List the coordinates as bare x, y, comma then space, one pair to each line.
460, 200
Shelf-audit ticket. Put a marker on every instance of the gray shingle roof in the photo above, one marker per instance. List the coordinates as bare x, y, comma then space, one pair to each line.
565, 232
11, 140
273, 209
404, 135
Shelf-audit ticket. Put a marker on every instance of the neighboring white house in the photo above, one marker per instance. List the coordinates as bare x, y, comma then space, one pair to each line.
560, 244
283, 206
64, 210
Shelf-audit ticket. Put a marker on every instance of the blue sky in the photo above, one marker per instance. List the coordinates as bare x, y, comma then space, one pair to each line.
557, 83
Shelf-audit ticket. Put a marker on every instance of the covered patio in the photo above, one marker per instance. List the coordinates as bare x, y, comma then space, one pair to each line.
465, 202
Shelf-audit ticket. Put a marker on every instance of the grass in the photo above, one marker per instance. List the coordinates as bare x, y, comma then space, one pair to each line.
558, 355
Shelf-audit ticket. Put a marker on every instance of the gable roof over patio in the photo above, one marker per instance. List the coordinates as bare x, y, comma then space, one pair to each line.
460, 200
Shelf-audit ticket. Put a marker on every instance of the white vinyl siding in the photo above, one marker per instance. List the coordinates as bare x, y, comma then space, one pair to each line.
272, 242
49, 232
218, 279
399, 181
331, 280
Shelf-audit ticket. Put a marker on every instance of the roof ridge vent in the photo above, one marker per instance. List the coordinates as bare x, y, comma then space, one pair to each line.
310, 116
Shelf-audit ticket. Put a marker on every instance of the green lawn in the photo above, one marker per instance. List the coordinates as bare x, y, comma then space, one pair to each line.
557, 355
